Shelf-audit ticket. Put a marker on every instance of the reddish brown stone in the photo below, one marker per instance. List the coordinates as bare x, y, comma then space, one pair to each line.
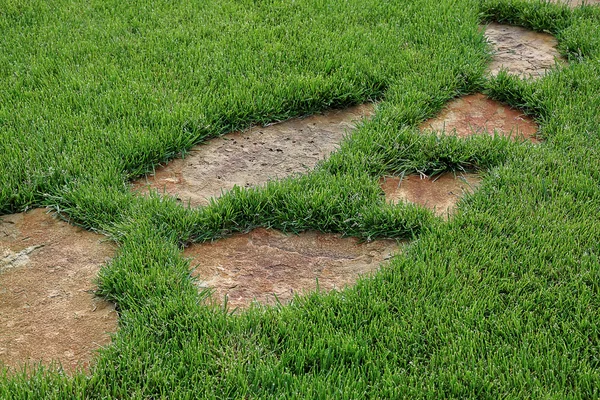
254, 156
521, 51
266, 264
439, 193
476, 113
48, 311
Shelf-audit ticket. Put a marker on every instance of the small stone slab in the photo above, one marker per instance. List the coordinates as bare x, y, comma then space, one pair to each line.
48, 311
439, 193
265, 265
253, 157
521, 51
477, 114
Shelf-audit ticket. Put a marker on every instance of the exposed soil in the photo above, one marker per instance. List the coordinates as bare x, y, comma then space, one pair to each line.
477, 113
521, 51
48, 311
265, 265
439, 193
254, 156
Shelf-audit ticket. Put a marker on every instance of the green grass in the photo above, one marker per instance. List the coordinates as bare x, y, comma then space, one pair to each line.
499, 302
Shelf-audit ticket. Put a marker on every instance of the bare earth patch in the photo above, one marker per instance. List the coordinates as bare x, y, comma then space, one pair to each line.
48, 311
521, 51
265, 265
254, 156
439, 193
476, 113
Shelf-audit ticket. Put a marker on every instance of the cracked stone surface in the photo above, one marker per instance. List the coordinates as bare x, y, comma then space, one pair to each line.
521, 51
48, 311
254, 156
439, 193
266, 264
476, 113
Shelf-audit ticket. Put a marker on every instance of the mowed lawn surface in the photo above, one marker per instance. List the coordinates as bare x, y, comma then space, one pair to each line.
499, 302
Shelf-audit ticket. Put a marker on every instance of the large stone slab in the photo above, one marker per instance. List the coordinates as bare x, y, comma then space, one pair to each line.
265, 265
48, 311
254, 156
521, 51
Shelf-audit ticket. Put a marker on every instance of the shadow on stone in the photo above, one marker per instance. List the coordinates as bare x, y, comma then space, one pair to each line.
48, 311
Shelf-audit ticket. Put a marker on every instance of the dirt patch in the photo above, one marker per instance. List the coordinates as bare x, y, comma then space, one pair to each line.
254, 156
477, 113
265, 265
48, 311
439, 193
521, 51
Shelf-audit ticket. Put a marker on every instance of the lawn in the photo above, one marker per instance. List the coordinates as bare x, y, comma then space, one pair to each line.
501, 301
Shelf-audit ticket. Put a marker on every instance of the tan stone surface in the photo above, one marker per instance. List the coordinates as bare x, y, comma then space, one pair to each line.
439, 193
265, 263
521, 51
254, 156
48, 311
477, 113
576, 3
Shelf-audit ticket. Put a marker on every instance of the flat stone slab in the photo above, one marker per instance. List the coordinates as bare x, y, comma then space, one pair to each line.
576, 3
521, 51
476, 114
439, 193
254, 156
48, 311
265, 265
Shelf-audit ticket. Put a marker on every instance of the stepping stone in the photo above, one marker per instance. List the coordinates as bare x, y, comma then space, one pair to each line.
521, 51
477, 114
439, 193
576, 3
464, 116
266, 265
48, 311
253, 157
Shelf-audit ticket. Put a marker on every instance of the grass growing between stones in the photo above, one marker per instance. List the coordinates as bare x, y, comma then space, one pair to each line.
501, 301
